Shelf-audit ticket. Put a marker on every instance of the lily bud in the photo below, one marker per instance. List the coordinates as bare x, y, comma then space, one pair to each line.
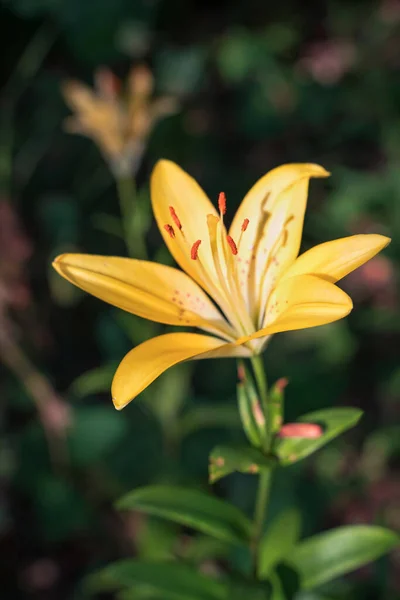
300, 430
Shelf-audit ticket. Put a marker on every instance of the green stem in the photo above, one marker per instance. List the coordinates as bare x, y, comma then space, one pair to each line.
261, 379
264, 484
262, 499
133, 235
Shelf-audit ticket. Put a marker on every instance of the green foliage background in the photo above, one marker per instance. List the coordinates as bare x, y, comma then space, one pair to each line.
259, 85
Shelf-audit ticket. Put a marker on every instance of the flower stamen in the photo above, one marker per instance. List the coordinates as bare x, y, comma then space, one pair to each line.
222, 203
175, 217
245, 224
170, 230
232, 245
195, 249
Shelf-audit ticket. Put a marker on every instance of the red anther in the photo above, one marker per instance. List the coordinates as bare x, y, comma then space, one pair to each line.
195, 249
232, 244
300, 430
175, 218
169, 229
222, 203
245, 224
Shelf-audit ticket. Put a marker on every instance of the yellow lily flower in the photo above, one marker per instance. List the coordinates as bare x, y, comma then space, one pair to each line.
118, 120
240, 287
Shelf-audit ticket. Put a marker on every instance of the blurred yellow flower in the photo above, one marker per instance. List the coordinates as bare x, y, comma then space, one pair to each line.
118, 121
252, 273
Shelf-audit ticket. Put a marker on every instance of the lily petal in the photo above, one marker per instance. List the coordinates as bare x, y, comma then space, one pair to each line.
149, 290
142, 365
302, 302
336, 259
279, 195
172, 186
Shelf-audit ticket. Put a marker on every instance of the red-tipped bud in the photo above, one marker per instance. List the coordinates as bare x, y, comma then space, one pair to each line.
241, 373
222, 203
300, 430
232, 245
259, 415
281, 383
245, 224
169, 229
175, 217
195, 249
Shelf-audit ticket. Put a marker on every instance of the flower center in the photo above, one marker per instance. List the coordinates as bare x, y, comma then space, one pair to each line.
224, 282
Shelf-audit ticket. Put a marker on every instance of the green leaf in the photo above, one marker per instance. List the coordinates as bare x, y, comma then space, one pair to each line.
339, 551
254, 590
108, 224
60, 510
333, 421
278, 541
199, 548
95, 381
95, 432
227, 459
237, 55
191, 508
200, 417
155, 539
285, 583
172, 581
173, 388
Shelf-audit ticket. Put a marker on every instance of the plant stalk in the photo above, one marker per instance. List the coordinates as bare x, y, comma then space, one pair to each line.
133, 237
264, 484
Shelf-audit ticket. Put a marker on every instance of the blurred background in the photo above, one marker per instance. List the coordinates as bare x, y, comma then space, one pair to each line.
254, 85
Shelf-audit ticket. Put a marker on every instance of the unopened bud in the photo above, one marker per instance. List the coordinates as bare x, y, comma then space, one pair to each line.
241, 372
301, 430
281, 383
259, 415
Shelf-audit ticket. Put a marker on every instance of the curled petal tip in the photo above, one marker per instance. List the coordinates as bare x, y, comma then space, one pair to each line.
385, 240
163, 163
59, 259
117, 405
318, 171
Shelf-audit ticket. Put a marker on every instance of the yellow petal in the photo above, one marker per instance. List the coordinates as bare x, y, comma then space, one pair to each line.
142, 365
336, 259
95, 117
280, 241
171, 186
79, 96
149, 290
279, 195
302, 302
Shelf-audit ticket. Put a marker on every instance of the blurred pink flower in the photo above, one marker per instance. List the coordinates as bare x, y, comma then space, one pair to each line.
377, 281
328, 61
389, 11
41, 575
56, 415
15, 250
